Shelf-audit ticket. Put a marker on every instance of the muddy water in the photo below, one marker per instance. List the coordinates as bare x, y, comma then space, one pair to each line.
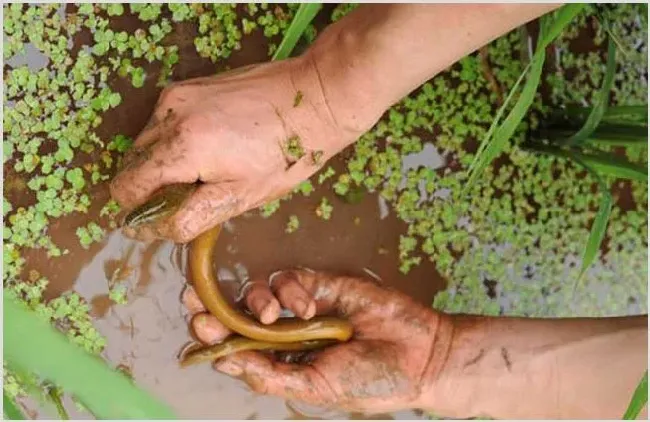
145, 335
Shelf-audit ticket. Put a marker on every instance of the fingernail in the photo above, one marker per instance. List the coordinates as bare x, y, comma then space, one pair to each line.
273, 276
270, 312
260, 304
310, 310
228, 367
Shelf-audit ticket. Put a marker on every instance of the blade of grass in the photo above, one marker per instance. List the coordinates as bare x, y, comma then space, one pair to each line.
305, 14
606, 23
110, 395
599, 226
639, 399
11, 409
562, 17
611, 165
57, 401
602, 102
617, 115
491, 146
612, 135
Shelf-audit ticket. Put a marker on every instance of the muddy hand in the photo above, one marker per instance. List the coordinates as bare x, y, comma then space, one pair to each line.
383, 368
251, 135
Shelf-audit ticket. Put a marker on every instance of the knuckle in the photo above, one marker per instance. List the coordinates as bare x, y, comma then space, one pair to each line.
171, 94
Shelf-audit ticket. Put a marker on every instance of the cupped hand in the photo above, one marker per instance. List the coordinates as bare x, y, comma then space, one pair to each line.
251, 135
387, 366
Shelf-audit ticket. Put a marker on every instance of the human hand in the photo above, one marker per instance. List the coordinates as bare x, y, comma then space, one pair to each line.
390, 363
251, 135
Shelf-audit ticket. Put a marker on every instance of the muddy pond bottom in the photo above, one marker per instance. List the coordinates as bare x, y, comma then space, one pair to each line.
145, 335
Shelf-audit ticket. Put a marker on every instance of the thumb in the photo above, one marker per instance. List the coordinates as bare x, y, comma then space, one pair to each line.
290, 381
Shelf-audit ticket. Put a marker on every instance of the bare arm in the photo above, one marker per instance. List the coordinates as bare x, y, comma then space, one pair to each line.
515, 368
377, 54
207, 128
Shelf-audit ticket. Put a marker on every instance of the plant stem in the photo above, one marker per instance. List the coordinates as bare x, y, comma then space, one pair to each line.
55, 396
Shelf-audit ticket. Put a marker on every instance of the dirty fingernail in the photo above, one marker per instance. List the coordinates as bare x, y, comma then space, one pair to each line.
229, 367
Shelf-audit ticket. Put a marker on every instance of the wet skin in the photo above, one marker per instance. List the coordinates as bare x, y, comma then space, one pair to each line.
285, 334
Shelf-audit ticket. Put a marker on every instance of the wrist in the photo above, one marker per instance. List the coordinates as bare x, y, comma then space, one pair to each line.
355, 94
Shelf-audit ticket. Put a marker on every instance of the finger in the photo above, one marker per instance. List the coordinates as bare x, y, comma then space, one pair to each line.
290, 381
340, 295
209, 205
291, 294
191, 300
159, 123
165, 162
261, 302
208, 329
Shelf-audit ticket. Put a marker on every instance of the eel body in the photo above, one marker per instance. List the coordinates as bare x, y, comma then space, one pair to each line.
286, 334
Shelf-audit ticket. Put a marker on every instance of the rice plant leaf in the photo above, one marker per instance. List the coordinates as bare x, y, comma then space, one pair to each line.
492, 145
503, 132
599, 226
10, 409
608, 164
561, 18
110, 395
305, 14
606, 23
602, 102
639, 399
598, 229
627, 115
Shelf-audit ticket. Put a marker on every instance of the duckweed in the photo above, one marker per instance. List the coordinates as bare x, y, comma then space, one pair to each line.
509, 247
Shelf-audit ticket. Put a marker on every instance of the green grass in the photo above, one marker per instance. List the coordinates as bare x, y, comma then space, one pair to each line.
639, 399
109, 394
492, 145
305, 14
10, 409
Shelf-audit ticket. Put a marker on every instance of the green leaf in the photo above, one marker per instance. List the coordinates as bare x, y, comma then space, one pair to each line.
609, 164
599, 226
114, 99
303, 17
111, 395
11, 409
76, 178
137, 77
639, 399
550, 28
115, 9
600, 106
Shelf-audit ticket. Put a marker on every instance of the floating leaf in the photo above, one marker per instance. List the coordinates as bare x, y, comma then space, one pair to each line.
639, 399
303, 17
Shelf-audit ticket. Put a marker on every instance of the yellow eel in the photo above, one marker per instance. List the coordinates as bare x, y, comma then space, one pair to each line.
286, 334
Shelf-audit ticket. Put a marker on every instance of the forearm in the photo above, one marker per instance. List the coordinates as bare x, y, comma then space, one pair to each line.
540, 368
379, 53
